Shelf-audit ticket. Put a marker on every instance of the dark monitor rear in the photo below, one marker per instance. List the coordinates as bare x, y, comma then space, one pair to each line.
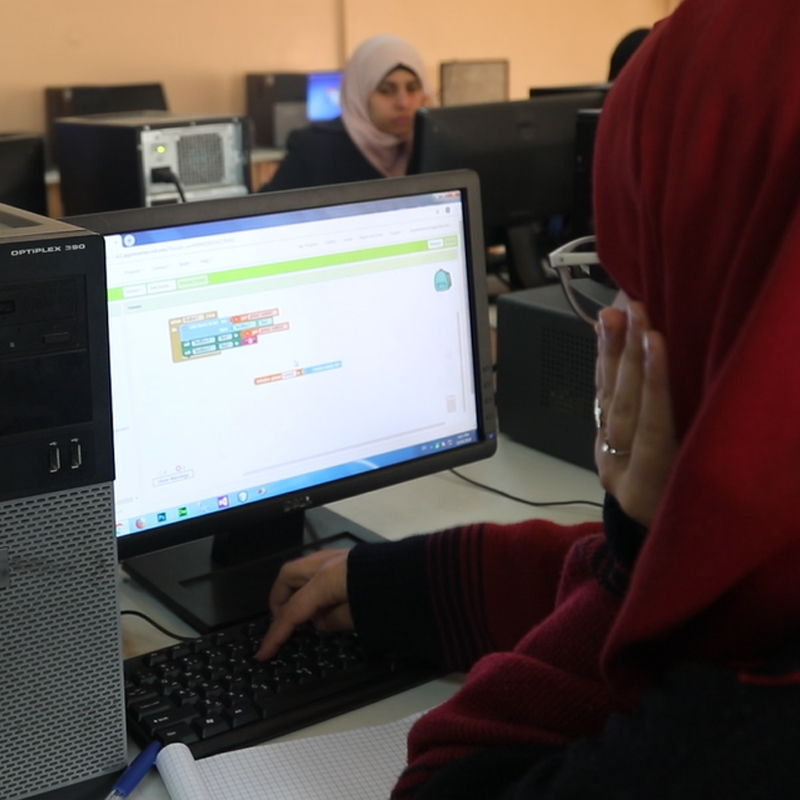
22, 168
544, 91
524, 154
586, 130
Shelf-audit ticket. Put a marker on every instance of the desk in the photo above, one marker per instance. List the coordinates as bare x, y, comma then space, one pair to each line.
425, 504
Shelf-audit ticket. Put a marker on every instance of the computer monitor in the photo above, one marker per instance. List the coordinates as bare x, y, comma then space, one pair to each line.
585, 134
281, 102
276, 352
323, 95
22, 172
524, 153
544, 91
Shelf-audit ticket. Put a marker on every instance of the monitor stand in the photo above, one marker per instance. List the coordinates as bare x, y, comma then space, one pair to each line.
523, 259
218, 581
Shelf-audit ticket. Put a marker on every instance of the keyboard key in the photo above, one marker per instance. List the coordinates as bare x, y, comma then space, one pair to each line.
240, 715
149, 706
210, 725
181, 732
164, 719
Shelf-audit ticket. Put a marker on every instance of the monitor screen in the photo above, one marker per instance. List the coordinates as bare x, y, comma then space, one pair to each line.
322, 95
273, 353
524, 153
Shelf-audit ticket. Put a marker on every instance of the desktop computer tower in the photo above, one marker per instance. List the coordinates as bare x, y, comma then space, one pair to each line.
22, 168
62, 726
545, 374
138, 159
77, 101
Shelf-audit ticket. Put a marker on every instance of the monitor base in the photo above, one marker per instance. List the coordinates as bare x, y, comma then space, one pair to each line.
210, 587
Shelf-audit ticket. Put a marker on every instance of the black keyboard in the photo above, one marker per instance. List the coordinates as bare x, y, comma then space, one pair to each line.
211, 694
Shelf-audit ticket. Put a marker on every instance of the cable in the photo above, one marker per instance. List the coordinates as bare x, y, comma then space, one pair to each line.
167, 175
522, 500
132, 613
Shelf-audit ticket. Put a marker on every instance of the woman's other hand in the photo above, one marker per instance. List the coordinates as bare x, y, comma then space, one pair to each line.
636, 444
310, 588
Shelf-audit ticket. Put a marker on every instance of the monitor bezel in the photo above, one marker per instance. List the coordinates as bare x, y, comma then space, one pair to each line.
263, 511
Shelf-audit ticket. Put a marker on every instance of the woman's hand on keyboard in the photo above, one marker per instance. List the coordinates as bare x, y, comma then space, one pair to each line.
310, 588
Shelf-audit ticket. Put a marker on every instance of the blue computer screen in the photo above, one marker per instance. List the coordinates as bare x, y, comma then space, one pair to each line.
322, 95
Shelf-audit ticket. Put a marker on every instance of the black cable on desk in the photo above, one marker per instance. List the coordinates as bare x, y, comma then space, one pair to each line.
523, 500
179, 637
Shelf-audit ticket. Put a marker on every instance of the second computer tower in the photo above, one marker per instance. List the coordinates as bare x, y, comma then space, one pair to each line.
545, 374
113, 161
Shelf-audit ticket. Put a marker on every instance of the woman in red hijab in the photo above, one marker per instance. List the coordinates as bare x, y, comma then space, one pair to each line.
659, 656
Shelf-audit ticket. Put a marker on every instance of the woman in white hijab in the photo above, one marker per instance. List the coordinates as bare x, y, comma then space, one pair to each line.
383, 85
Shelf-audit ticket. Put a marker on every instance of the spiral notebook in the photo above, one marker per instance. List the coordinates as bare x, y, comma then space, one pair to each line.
360, 764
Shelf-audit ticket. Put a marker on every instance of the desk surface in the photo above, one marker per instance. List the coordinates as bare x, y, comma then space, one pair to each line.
422, 505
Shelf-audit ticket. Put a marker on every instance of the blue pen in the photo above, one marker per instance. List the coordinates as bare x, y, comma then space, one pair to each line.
138, 768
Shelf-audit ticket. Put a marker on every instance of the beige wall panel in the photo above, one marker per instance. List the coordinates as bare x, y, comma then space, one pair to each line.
199, 49
563, 41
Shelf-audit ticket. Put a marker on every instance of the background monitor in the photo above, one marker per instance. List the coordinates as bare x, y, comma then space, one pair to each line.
273, 353
281, 102
585, 134
22, 172
543, 91
524, 153
322, 95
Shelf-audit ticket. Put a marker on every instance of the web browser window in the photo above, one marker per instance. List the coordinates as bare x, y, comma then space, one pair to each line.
256, 356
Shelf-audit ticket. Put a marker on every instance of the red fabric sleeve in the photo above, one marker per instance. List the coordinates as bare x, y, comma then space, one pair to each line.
549, 690
491, 583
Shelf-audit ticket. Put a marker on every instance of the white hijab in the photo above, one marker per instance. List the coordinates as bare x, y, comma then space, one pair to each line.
370, 63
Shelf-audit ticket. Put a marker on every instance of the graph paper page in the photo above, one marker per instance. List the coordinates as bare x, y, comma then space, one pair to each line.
361, 764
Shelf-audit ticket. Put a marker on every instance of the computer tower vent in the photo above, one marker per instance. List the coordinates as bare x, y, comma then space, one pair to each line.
61, 718
201, 159
567, 365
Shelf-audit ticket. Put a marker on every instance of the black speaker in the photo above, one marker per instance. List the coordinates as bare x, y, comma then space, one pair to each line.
545, 374
62, 724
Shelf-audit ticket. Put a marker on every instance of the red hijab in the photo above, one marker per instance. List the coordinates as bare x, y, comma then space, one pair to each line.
697, 212
697, 197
